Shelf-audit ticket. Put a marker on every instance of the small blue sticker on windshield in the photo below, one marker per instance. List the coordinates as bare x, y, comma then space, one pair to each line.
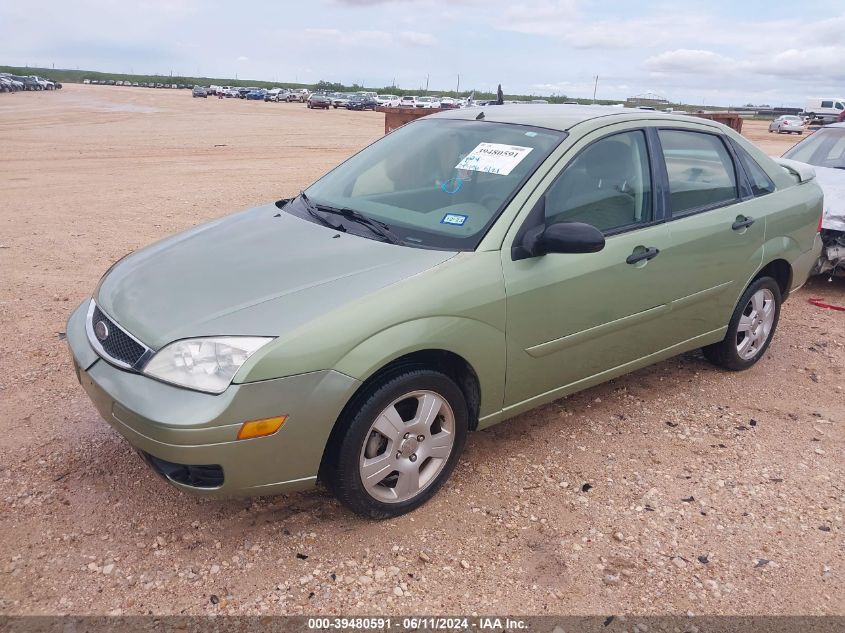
455, 219
452, 186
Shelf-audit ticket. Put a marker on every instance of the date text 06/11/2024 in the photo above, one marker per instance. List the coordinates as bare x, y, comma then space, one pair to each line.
417, 623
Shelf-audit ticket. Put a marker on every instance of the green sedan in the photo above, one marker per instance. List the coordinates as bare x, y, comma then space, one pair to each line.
463, 269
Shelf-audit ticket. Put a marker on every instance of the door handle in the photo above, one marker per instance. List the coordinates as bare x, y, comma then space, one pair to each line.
639, 255
742, 222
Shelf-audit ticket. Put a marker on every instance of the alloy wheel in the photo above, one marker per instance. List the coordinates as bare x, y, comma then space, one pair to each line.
755, 324
407, 446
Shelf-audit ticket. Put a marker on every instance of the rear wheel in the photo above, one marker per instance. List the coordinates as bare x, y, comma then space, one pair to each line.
751, 327
400, 443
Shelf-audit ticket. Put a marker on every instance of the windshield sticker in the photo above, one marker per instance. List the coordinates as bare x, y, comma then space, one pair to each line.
494, 158
452, 186
455, 219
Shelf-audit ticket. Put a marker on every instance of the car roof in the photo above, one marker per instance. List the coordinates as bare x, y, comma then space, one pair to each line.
836, 125
558, 117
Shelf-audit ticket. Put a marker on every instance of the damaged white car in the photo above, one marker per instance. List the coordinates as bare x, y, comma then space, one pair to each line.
825, 151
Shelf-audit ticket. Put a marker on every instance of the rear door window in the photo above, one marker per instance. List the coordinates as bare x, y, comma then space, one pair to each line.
701, 171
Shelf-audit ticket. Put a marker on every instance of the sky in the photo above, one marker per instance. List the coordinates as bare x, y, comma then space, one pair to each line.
717, 52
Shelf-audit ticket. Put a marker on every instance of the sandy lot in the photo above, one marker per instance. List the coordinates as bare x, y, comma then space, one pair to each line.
711, 492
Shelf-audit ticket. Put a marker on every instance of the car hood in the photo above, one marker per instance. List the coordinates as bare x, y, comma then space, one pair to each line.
832, 181
260, 272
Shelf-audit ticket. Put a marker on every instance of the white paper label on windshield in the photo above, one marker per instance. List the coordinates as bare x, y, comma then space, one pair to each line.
494, 158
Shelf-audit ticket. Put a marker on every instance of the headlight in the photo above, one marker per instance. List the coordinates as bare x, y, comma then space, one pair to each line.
204, 364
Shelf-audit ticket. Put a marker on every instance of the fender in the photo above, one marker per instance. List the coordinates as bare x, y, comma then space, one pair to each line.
480, 344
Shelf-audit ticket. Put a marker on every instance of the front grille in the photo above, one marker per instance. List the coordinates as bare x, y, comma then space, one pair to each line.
207, 476
118, 344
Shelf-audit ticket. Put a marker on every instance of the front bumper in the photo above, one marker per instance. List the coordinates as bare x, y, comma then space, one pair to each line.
184, 428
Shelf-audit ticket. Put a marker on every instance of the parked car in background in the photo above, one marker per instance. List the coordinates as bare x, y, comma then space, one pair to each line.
825, 151
231, 92
199, 91
553, 269
408, 101
28, 82
391, 101
319, 100
824, 109
842, 117
448, 103
11, 83
787, 123
6, 85
298, 94
340, 99
256, 95
428, 102
361, 102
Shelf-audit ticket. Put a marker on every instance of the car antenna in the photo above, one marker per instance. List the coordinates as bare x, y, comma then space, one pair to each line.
480, 116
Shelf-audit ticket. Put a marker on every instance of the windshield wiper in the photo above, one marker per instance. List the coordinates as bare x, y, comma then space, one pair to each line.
379, 228
313, 211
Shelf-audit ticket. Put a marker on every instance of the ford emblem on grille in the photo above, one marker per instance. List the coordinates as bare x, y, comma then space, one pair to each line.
101, 330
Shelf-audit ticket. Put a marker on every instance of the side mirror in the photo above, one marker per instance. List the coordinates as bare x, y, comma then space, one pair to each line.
562, 237
572, 237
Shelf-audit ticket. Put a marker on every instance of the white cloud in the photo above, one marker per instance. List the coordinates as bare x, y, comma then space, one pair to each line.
243, 58
690, 61
417, 39
540, 18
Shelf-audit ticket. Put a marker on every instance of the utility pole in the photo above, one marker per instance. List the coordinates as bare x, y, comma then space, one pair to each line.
426, 83
458, 87
595, 88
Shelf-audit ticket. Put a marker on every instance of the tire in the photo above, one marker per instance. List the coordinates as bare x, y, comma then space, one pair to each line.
406, 469
759, 310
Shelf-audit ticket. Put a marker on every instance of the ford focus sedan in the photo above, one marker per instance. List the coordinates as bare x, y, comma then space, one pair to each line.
465, 268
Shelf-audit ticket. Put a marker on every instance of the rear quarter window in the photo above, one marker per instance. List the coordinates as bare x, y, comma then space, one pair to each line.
759, 180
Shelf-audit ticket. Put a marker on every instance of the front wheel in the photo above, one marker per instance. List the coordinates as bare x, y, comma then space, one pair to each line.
751, 327
400, 443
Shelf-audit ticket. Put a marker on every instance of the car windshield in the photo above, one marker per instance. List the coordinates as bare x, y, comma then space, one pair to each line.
436, 183
825, 148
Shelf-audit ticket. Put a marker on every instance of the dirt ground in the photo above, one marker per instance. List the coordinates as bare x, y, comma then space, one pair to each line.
709, 492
